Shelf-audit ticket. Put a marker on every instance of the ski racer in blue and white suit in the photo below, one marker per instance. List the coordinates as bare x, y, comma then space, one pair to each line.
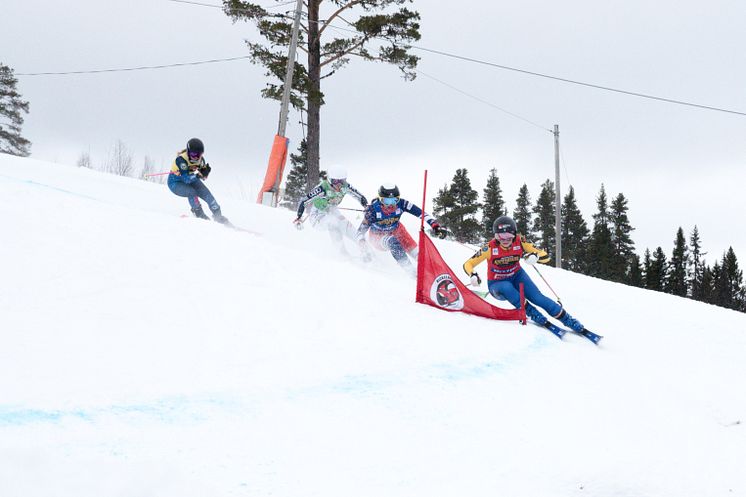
381, 218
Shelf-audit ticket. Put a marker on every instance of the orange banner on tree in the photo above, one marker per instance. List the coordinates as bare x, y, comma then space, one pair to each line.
275, 167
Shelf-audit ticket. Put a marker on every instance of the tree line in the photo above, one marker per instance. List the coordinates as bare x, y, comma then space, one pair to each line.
604, 251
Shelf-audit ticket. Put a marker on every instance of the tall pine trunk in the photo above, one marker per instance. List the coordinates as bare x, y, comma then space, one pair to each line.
314, 93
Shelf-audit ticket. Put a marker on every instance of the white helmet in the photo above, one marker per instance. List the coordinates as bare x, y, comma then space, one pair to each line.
336, 172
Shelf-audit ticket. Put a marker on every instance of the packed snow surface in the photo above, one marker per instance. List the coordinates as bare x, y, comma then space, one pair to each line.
146, 354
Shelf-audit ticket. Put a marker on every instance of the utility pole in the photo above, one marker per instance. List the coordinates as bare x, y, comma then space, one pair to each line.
270, 192
557, 201
289, 69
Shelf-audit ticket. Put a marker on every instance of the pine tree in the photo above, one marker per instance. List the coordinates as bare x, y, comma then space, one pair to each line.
635, 275
574, 235
655, 277
647, 263
11, 118
297, 179
544, 222
706, 290
493, 205
600, 246
676, 278
456, 206
719, 295
623, 246
696, 265
522, 213
729, 288
382, 36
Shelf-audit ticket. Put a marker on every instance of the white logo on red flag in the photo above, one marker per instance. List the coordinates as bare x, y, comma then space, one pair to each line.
446, 294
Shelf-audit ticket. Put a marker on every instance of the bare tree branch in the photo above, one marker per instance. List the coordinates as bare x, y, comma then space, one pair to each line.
348, 5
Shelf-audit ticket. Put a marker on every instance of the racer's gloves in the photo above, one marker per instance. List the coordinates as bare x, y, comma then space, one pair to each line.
438, 231
531, 259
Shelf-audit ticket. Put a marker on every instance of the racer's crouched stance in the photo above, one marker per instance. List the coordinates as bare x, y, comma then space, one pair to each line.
505, 274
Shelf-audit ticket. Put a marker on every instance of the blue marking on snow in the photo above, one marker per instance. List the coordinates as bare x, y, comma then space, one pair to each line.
62, 190
165, 410
199, 408
15, 416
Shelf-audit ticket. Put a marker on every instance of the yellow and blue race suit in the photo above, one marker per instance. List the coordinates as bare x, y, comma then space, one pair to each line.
185, 180
505, 275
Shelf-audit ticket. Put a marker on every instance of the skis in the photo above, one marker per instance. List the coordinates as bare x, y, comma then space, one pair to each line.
479, 292
593, 337
556, 330
561, 332
227, 224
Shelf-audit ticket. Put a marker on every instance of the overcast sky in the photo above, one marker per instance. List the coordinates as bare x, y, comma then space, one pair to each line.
677, 165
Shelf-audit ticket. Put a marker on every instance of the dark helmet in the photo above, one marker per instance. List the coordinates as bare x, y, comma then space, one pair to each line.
388, 190
504, 224
195, 147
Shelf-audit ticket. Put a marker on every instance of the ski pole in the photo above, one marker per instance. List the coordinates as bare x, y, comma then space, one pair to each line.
348, 209
547, 283
156, 174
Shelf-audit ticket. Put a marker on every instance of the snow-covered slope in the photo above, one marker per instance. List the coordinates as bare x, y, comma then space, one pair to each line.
144, 354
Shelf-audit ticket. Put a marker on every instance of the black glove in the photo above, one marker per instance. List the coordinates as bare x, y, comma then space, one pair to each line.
363, 201
204, 171
438, 231
475, 279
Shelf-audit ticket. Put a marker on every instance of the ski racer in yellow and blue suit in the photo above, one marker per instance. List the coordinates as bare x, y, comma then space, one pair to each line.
505, 274
185, 180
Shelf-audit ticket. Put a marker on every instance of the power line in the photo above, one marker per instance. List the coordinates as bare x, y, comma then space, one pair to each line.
590, 85
557, 78
419, 71
438, 52
221, 7
482, 101
139, 68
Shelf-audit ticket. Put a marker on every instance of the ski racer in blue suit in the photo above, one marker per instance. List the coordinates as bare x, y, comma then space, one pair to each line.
386, 232
185, 180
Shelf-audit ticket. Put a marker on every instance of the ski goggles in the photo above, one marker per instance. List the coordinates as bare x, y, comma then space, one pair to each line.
505, 236
389, 201
194, 156
337, 183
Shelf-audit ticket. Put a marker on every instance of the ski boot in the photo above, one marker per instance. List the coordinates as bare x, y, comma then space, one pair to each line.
218, 217
536, 316
199, 213
569, 321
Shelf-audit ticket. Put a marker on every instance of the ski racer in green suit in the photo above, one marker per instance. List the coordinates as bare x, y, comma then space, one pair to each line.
323, 202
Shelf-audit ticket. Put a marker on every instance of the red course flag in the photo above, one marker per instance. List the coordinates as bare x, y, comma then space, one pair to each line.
438, 286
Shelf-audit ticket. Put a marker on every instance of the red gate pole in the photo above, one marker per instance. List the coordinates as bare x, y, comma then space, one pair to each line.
424, 195
523, 304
